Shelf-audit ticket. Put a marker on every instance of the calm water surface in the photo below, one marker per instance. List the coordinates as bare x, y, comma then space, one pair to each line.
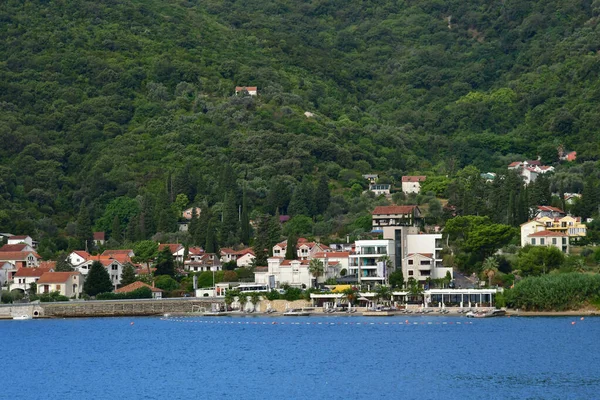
313, 358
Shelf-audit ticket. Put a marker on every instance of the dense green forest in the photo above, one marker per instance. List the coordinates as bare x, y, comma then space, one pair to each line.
117, 114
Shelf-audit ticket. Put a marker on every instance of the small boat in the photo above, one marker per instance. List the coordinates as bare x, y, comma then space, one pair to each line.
21, 317
296, 312
486, 314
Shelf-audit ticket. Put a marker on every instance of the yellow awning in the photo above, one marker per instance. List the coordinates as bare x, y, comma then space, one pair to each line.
340, 288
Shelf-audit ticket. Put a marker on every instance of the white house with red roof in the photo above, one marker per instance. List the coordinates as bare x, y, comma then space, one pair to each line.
113, 267
412, 184
242, 257
549, 211
530, 169
99, 238
251, 90
294, 273
16, 247
203, 262
246, 259
78, 257
123, 255
549, 238
18, 239
333, 262
68, 284
304, 248
176, 249
24, 277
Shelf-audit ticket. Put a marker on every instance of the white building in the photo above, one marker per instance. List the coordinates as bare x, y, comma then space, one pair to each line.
24, 277
333, 262
17, 239
279, 271
367, 264
113, 267
78, 257
528, 228
549, 238
424, 259
412, 184
380, 188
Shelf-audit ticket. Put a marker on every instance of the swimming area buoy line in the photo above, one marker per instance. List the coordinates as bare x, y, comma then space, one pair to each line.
221, 322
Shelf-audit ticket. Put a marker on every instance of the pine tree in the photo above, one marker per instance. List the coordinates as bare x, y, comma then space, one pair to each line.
116, 230
165, 264
128, 275
245, 221
203, 222
97, 280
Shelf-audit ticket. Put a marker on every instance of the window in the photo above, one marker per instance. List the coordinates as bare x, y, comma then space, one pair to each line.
533, 241
553, 240
411, 272
542, 241
410, 262
564, 240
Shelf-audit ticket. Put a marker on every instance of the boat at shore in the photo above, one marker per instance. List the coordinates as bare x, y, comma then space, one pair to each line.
21, 317
296, 312
486, 314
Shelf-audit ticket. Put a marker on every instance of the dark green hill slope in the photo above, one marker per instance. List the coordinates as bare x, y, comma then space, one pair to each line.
103, 99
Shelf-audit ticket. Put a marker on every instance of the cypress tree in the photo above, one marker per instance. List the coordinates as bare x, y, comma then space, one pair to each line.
116, 229
322, 195
84, 233
290, 250
229, 224
245, 221
262, 240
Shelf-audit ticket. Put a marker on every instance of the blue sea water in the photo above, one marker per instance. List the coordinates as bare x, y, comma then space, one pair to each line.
301, 358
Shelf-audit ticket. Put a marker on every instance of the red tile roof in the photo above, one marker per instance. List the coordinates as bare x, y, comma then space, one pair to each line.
137, 285
550, 208
56, 277
16, 255
261, 269
243, 252
99, 235
227, 250
120, 251
390, 210
83, 254
514, 164
47, 264
17, 237
13, 247
289, 262
173, 247
248, 88
417, 178
30, 272
547, 233
332, 254
104, 260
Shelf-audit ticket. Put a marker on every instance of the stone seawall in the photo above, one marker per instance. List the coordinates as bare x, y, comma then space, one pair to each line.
111, 308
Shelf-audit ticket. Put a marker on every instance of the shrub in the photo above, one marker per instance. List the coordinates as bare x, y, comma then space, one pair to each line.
52, 297
141, 293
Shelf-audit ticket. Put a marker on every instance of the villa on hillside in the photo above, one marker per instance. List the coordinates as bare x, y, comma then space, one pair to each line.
251, 90
412, 184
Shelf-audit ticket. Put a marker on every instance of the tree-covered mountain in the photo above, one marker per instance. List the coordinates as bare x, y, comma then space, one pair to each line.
118, 107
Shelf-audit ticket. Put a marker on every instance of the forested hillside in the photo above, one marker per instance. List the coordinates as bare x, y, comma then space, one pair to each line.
111, 110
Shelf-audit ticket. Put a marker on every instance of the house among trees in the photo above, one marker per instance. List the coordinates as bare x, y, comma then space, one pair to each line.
372, 178
99, 238
304, 248
251, 90
380, 188
412, 184
156, 292
18, 239
68, 284
188, 213
203, 262
530, 169
24, 277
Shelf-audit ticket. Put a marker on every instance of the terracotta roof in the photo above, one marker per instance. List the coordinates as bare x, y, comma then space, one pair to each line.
416, 178
137, 285
261, 269
104, 260
428, 255
195, 250
514, 164
56, 277
16, 255
99, 235
31, 272
389, 210
83, 254
17, 237
332, 254
120, 251
248, 88
245, 251
289, 262
173, 247
547, 233
550, 208
13, 247
47, 264
534, 162
227, 250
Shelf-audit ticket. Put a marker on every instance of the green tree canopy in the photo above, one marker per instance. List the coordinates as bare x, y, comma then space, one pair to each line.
97, 280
